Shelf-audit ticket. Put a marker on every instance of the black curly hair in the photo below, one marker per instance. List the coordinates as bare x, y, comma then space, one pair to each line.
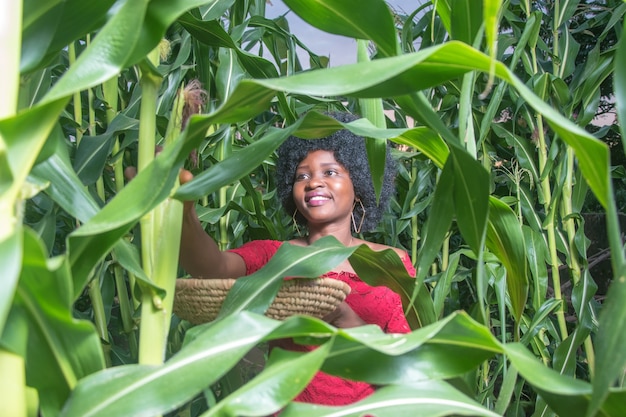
349, 150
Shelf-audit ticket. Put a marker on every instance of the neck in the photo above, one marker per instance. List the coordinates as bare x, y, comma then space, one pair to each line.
343, 236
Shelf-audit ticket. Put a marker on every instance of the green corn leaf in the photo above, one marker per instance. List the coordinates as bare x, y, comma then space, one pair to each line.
50, 25
611, 337
65, 188
61, 350
432, 399
144, 390
536, 255
437, 226
386, 268
372, 110
93, 151
471, 197
211, 33
285, 375
506, 240
426, 141
444, 11
11, 254
255, 292
466, 20
564, 395
239, 164
456, 344
373, 22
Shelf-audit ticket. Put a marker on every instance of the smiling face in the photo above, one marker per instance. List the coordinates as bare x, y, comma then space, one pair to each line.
322, 190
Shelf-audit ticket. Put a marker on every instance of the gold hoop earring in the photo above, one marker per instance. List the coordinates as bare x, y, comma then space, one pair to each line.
358, 229
295, 222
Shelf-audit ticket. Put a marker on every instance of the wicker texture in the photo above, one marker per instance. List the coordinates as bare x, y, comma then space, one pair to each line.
200, 300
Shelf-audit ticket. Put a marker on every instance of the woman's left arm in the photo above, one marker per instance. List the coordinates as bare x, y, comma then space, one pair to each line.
344, 317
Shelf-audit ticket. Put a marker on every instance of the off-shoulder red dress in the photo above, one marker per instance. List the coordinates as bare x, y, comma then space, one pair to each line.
375, 305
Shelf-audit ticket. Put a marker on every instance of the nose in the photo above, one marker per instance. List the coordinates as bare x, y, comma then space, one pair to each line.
315, 181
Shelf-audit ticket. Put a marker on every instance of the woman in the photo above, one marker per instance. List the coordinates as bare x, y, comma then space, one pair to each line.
327, 185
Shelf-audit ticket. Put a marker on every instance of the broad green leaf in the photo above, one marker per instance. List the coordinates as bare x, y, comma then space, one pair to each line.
456, 344
438, 223
61, 350
50, 25
470, 197
372, 110
543, 312
466, 20
229, 73
566, 396
536, 253
386, 268
285, 375
213, 34
109, 52
417, 106
611, 337
239, 164
145, 390
120, 43
444, 11
65, 187
11, 254
93, 151
564, 12
431, 398
255, 292
506, 240
444, 283
24, 136
524, 153
619, 81
426, 141
373, 22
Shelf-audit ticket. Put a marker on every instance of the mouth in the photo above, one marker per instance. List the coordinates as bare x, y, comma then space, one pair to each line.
316, 199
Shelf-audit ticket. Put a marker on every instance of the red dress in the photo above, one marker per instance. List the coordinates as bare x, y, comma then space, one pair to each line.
375, 305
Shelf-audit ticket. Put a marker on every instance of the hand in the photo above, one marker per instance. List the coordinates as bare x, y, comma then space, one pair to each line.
344, 317
184, 176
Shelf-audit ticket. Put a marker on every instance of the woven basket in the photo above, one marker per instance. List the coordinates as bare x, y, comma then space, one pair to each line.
200, 300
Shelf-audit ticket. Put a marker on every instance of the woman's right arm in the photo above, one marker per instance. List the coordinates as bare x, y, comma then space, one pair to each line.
199, 254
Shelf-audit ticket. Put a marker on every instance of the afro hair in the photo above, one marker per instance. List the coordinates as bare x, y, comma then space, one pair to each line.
349, 150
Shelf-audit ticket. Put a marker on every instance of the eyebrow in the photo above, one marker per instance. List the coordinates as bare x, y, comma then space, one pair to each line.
324, 165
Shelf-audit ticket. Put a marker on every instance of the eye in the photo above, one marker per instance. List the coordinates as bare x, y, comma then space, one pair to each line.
301, 176
331, 172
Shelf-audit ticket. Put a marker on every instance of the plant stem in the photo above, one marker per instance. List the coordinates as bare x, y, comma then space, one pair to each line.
547, 199
78, 108
223, 151
99, 318
550, 227
111, 95
151, 332
414, 224
160, 231
13, 387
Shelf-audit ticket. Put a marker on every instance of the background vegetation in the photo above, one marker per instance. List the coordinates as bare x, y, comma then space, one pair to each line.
494, 110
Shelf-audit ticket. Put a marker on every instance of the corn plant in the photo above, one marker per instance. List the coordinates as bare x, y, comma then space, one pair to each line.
495, 157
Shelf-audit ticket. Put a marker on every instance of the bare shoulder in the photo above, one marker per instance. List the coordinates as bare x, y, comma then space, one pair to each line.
380, 247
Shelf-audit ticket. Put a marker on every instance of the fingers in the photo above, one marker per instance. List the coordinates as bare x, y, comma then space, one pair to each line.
185, 176
130, 173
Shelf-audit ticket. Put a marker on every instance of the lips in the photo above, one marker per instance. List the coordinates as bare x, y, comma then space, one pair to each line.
316, 199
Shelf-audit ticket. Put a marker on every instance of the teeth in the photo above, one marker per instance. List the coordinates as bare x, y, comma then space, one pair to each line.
318, 198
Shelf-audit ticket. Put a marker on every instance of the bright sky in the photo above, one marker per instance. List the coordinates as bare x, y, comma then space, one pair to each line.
341, 50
